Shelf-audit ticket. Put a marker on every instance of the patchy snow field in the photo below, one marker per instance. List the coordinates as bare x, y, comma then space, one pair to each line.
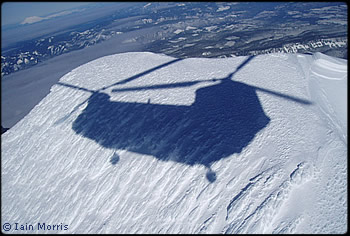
146, 143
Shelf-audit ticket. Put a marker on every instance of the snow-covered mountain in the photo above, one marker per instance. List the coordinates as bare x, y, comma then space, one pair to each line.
147, 143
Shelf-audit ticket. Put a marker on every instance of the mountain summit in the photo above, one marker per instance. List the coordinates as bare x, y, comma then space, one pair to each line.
146, 143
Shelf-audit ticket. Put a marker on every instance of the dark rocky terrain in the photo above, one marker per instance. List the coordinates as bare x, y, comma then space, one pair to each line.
200, 29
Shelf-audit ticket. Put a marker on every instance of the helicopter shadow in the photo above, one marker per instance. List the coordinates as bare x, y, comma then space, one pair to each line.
223, 120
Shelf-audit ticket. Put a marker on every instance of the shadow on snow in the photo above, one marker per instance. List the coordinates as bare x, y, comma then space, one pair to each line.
223, 120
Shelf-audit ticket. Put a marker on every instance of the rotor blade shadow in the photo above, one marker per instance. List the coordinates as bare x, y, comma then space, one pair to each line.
242, 64
285, 96
187, 84
61, 120
160, 86
142, 73
76, 87
174, 85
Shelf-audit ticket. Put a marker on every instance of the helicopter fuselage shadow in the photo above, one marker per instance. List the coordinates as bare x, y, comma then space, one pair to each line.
223, 120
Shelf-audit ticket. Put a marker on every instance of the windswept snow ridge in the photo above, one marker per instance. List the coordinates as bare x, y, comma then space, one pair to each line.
328, 93
146, 143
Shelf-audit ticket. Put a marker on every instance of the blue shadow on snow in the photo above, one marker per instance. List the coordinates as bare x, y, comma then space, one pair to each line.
222, 121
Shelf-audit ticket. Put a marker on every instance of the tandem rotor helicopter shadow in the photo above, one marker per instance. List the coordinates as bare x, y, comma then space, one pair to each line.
223, 120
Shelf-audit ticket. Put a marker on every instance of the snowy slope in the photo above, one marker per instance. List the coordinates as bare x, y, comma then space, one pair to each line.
146, 143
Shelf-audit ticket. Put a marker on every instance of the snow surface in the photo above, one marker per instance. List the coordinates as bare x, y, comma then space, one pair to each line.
146, 143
